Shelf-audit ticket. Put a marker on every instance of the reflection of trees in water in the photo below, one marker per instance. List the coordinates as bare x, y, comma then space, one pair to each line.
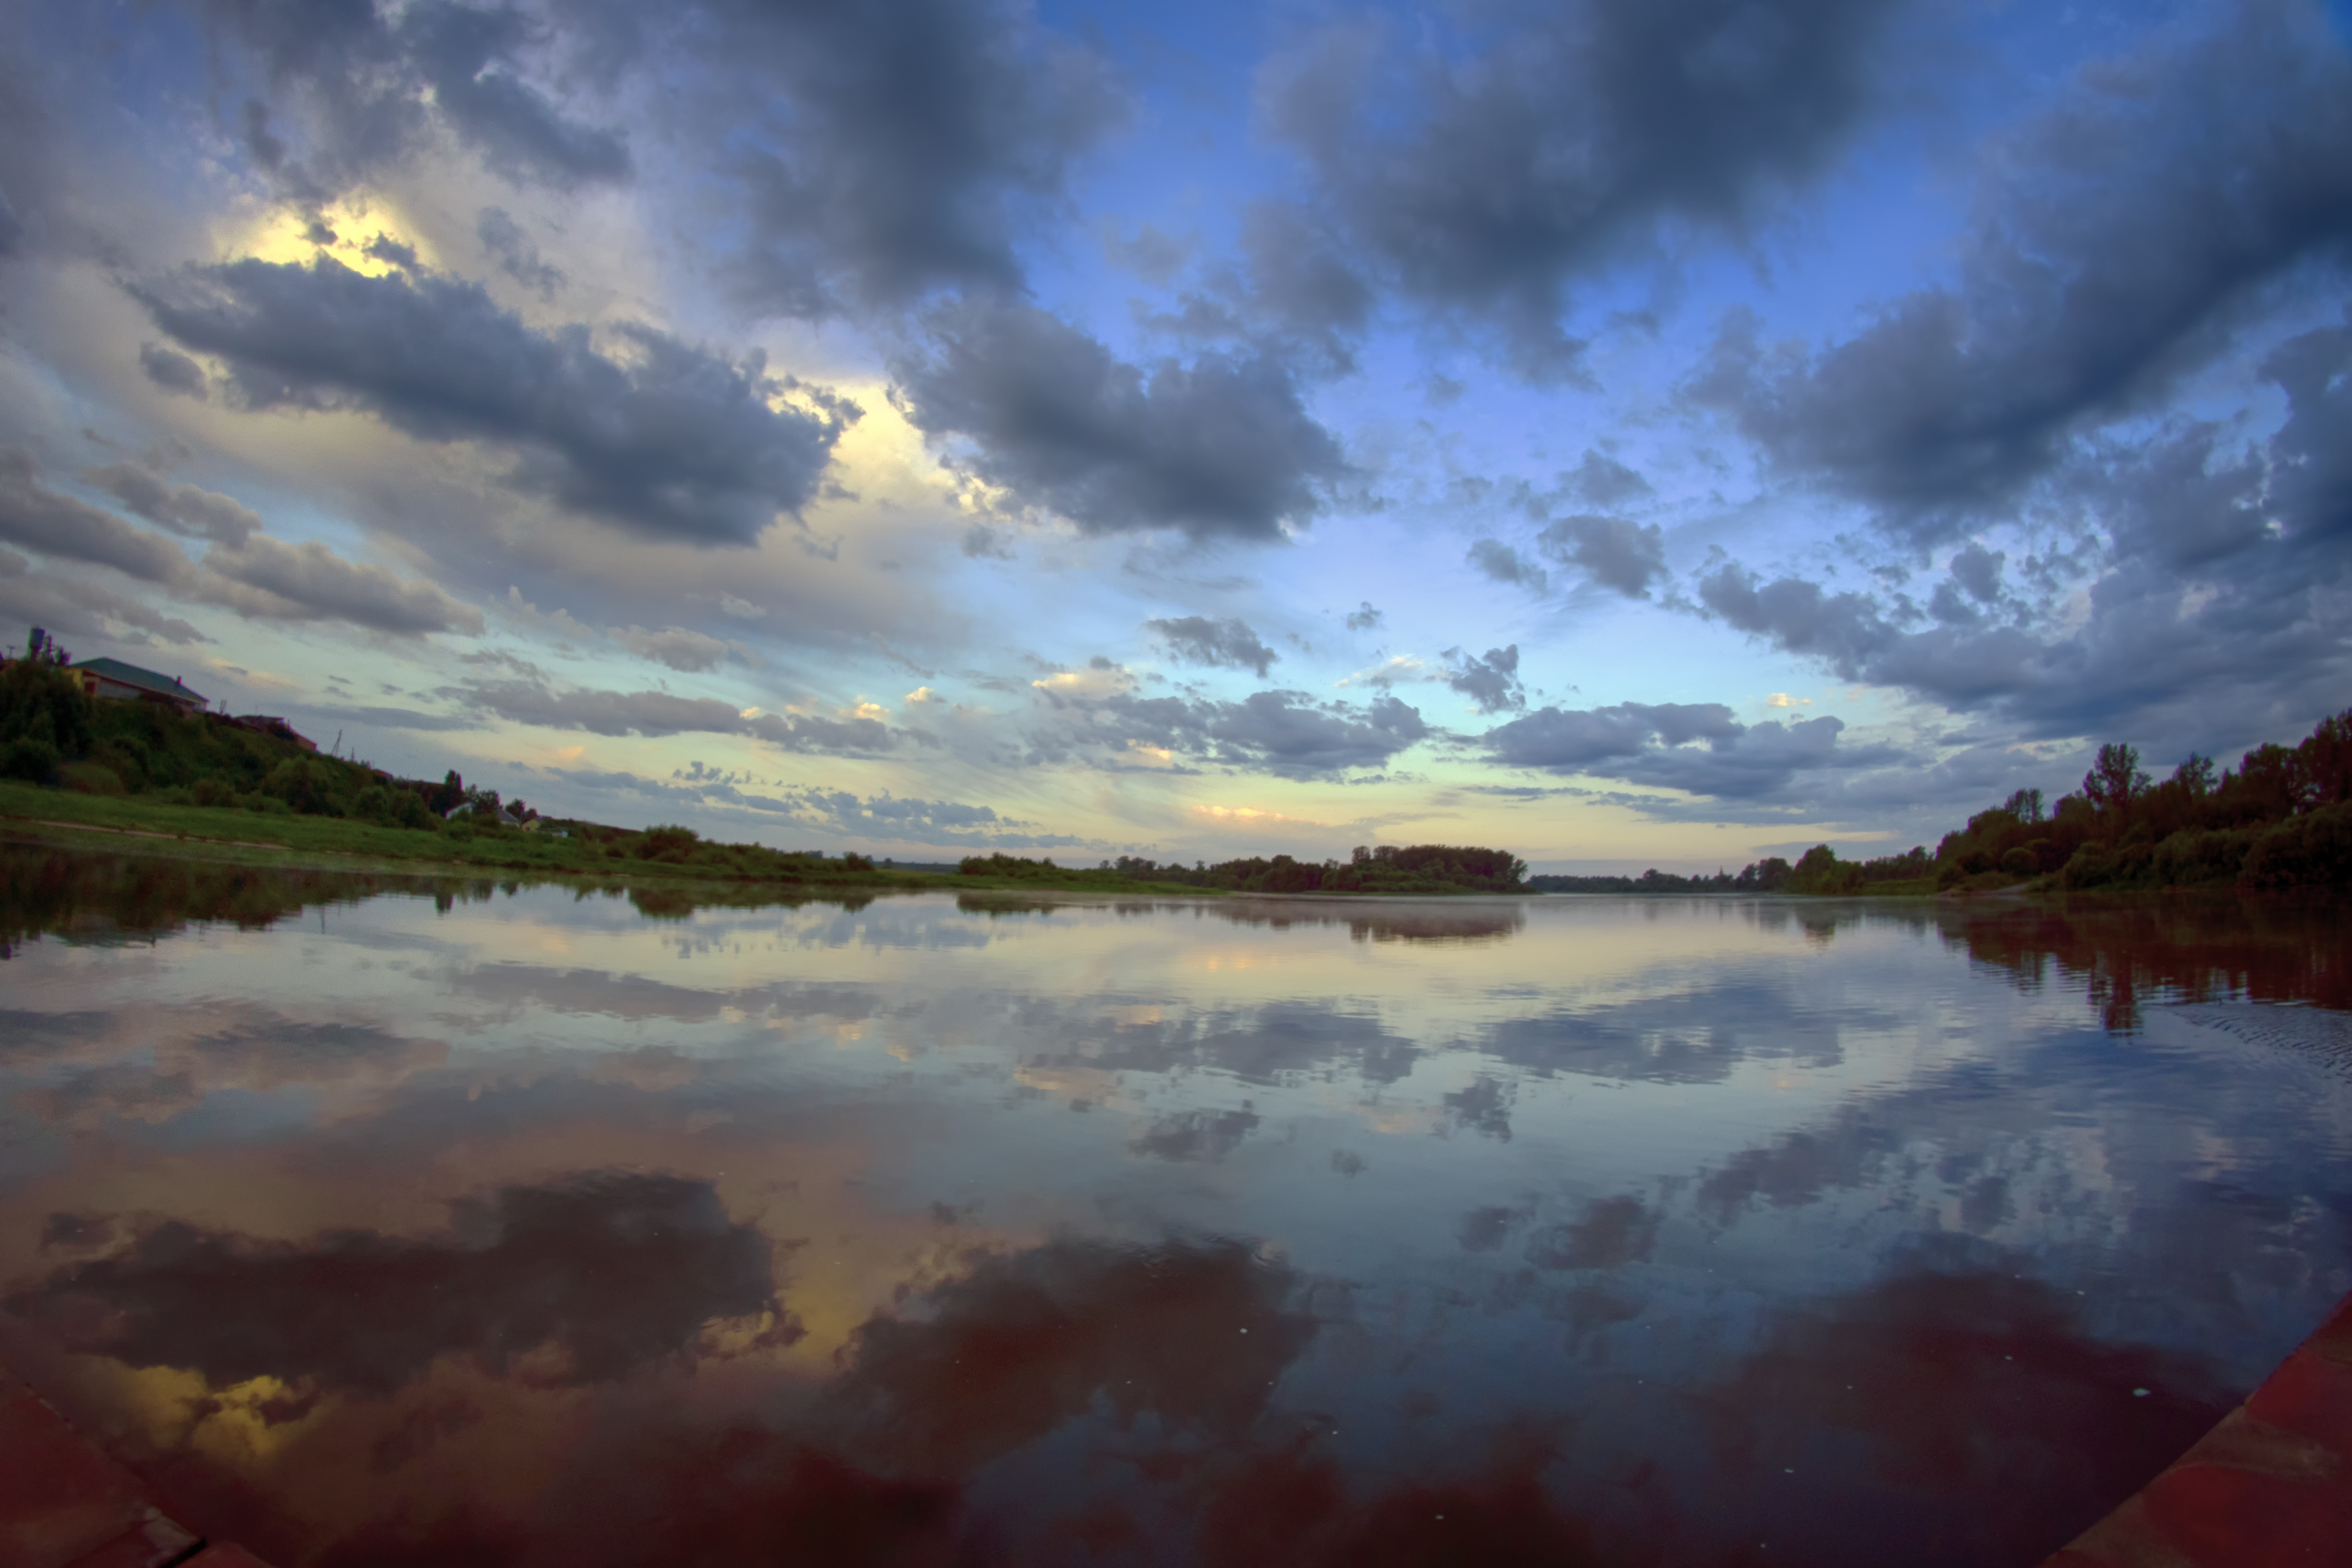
1367, 920
100, 898
107, 897
2166, 949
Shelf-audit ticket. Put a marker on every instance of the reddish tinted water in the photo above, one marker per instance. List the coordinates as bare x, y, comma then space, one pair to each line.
514, 1226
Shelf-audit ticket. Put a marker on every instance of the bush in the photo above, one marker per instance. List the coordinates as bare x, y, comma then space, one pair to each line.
2093, 866
2187, 858
90, 778
2021, 861
2309, 851
33, 760
214, 792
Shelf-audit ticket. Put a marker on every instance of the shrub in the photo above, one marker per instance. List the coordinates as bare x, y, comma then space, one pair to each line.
90, 778
2187, 858
2310, 851
28, 758
2021, 861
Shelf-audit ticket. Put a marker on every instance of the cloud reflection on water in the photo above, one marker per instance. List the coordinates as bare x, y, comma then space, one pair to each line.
768, 1230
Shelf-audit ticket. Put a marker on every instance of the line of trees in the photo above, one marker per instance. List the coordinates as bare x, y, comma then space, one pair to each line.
1384, 869
2281, 818
1818, 871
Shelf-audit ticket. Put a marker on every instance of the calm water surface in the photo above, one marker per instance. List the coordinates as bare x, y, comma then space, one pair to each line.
493, 1226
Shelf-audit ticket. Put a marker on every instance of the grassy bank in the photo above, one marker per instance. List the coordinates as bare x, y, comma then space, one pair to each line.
129, 823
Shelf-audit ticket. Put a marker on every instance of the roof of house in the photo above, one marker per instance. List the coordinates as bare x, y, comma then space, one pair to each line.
145, 679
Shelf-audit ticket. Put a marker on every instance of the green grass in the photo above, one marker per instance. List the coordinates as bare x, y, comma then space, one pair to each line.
256, 838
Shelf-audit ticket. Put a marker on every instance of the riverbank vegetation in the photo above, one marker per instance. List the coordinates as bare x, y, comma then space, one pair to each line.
147, 768
2282, 819
1387, 868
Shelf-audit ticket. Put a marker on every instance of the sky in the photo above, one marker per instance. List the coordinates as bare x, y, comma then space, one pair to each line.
1626, 432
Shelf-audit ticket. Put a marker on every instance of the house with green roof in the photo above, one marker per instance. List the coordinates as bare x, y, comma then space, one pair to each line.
120, 682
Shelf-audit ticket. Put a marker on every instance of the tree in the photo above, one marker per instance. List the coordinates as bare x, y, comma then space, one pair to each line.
2116, 780
2025, 806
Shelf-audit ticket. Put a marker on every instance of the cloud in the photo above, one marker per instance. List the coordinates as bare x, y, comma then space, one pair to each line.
504, 241
1612, 1233
1151, 253
1617, 554
183, 509
1222, 447
65, 529
675, 646
2202, 608
657, 713
610, 1272
1284, 733
880, 152
469, 56
1198, 1334
367, 87
1601, 480
172, 371
1505, 564
2120, 238
667, 440
1492, 682
1364, 619
1206, 1136
1226, 645
69, 607
1698, 747
1489, 180
271, 580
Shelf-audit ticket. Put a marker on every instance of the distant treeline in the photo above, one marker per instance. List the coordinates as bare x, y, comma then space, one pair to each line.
1387, 868
1819, 871
2282, 818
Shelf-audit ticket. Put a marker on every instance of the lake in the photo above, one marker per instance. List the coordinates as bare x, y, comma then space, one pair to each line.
453, 1223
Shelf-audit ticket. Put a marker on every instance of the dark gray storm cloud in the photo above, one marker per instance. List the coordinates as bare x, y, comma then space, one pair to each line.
883, 152
1698, 747
1222, 448
1505, 564
1561, 140
1626, 557
2215, 616
1492, 682
666, 440
2122, 240
340, 90
1219, 644
864, 155
655, 714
